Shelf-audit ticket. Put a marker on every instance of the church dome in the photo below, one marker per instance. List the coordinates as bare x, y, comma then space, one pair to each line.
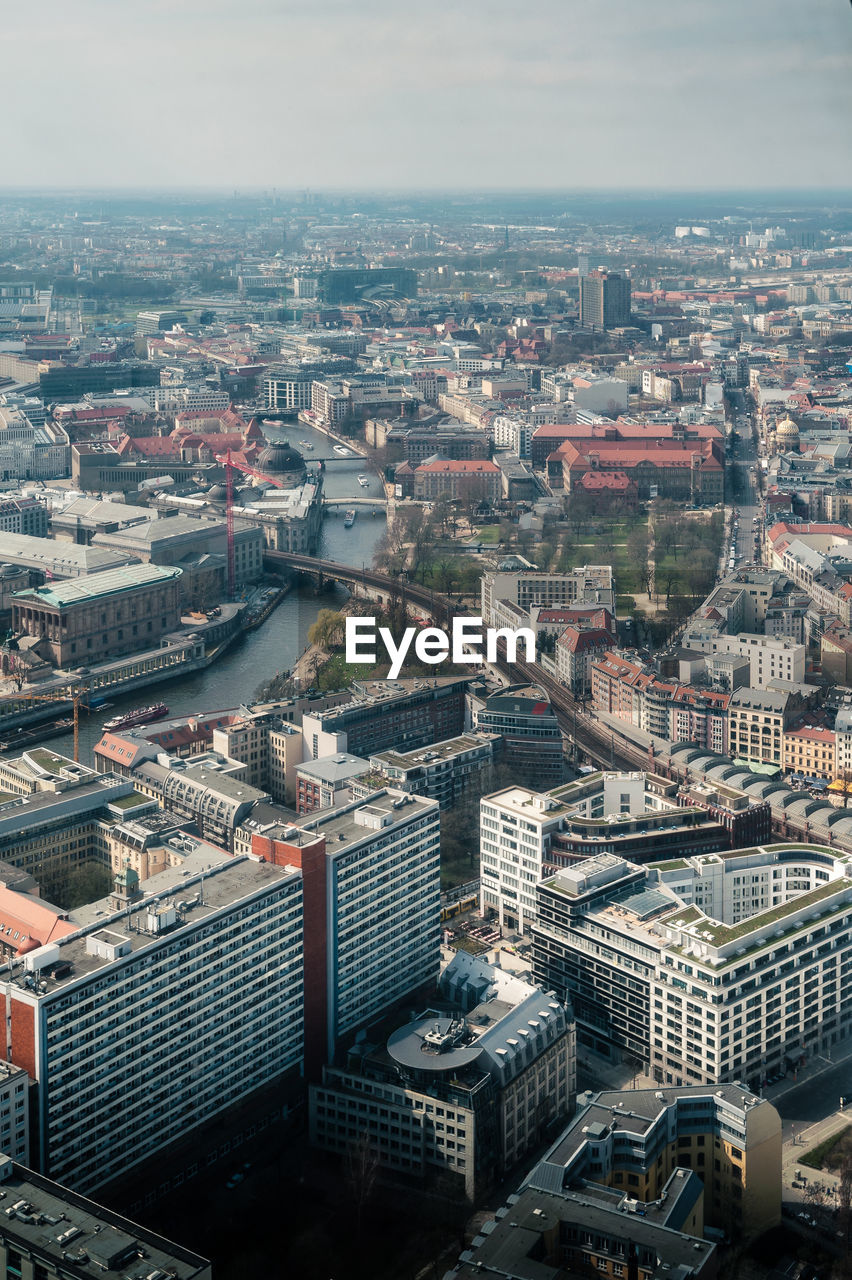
217, 493
787, 432
281, 459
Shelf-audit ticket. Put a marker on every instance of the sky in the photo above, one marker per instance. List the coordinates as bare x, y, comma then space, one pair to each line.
405, 94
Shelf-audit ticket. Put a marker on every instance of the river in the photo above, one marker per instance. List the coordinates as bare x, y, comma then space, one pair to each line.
275, 645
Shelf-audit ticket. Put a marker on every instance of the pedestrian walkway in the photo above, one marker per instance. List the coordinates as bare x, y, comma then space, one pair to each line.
818, 1064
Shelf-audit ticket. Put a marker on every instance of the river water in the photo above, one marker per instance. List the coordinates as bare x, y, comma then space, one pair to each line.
277, 644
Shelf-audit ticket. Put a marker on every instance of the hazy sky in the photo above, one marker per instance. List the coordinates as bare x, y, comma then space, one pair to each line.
406, 93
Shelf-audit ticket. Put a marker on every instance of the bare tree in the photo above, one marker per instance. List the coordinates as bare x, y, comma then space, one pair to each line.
362, 1167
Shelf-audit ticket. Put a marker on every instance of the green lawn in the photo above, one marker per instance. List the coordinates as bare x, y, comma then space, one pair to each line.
488, 534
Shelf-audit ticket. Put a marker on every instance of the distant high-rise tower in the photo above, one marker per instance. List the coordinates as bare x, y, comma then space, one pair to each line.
604, 300
582, 265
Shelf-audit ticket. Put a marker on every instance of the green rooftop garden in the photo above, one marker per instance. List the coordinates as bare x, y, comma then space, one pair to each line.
721, 934
129, 802
48, 760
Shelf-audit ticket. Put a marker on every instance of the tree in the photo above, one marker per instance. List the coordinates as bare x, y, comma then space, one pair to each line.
327, 631
362, 1167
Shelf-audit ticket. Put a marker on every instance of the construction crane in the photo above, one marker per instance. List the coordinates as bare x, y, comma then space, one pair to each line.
74, 698
231, 464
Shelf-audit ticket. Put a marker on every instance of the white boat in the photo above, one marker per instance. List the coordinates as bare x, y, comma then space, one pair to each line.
349, 519
342, 450
363, 481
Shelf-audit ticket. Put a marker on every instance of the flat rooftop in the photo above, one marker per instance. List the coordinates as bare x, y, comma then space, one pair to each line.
208, 874
445, 750
80, 1236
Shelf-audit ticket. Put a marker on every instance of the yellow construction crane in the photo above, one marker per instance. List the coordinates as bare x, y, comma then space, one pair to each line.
74, 698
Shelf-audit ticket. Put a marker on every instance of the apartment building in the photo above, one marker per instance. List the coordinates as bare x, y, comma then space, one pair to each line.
525, 835
372, 891
588, 584
158, 1013
757, 721
810, 751
634, 1142
444, 771
57, 1233
465, 1090
729, 966
25, 516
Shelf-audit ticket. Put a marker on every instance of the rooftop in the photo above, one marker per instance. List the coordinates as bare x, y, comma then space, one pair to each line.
63, 595
72, 1231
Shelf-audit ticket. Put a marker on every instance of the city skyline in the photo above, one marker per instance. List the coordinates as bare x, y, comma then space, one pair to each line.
609, 96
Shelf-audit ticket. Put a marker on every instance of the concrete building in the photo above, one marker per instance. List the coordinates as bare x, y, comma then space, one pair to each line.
55, 1230
59, 818
324, 783
211, 792
634, 1141
577, 648
57, 559
457, 480
403, 714
443, 771
604, 300
757, 721
810, 751
463, 1091
25, 516
530, 732
551, 1234
371, 910
187, 541
112, 613
587, 584
731, 966
771, 657
30, 452
526, 835
14, 1115
154, 1017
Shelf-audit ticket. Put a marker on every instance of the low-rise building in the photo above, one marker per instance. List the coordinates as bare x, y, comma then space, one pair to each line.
590, 584
56, 1229
466, 1089
444, 771
329, 781
457, 480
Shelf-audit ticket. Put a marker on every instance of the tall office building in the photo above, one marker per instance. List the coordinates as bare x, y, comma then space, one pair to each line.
604, 300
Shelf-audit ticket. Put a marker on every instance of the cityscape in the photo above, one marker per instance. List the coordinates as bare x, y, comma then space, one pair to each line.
426, 648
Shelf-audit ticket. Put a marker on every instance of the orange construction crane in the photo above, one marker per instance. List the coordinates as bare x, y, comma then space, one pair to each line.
231, 464
74, 698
